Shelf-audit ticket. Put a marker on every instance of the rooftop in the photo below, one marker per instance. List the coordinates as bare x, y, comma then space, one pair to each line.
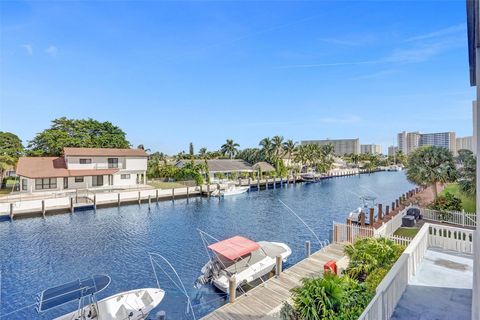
105, 152
222, 165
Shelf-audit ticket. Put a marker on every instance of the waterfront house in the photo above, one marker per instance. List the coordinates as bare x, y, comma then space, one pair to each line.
80, 168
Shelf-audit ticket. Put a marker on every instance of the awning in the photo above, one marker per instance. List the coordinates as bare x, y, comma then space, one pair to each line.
235, 247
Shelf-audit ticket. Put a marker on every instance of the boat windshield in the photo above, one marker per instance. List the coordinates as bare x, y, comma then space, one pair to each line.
71, 291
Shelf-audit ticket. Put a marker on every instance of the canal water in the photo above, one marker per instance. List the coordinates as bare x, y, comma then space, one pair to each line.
38, 253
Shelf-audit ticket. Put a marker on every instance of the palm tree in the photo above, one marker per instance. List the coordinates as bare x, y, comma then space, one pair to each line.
230, 148
277, 146
289, 147
202, 153
430, 165
266, 148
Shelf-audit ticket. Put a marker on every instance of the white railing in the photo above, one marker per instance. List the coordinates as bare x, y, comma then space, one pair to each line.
350, 232
451, 238
392, 287
389, 227
459, 218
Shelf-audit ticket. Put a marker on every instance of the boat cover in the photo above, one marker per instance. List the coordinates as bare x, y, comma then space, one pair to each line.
235, 247
70, 291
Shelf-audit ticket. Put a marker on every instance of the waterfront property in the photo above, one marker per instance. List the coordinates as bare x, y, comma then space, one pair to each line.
116, 240
223, 167
81, 168
340, 146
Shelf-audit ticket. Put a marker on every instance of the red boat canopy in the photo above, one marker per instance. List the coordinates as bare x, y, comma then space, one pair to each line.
235, 247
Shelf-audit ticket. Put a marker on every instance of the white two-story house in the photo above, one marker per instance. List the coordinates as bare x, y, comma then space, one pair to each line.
82, 168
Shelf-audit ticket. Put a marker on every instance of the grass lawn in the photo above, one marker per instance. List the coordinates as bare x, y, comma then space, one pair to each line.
467, 202
406, 232
165, 185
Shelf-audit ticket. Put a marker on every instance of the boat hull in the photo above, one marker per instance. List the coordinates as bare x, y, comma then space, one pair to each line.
131, 305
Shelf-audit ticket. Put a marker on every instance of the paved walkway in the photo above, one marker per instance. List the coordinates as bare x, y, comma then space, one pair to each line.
265, 301
441, 289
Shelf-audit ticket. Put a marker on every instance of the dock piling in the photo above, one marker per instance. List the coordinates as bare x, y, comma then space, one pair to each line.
118, 199
71, 204
43, 208
156, 194
380, 212
139, 198
11, 211
232, 289
94, 202
371, 220
188, 193
278, 265
173, 194
307, 249
149, 201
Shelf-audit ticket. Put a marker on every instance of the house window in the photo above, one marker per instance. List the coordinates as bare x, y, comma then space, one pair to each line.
65, 183
125, 176
113, 162
24, 184
45, 183
78, 179
85, 161
97, 181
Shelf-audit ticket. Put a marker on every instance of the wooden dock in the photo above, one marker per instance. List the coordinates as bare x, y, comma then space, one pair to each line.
265, 301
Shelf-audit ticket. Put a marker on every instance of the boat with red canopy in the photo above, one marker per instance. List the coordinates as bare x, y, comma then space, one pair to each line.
243, 258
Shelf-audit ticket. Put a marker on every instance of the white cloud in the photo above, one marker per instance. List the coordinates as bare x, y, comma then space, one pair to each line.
459, 28
52, 51
29, 48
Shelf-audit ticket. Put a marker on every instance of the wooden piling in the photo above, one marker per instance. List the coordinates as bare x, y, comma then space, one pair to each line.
380, 212
232, 289
278, 265
188, 193
118, 199
139, 198
362, 219
387, 210
173, 194
156, 194
274, 183
43, 208
11, 211
208, 190
71, 204
149, 202
393, 206
397, 202
307, 249
94, 202
372, 217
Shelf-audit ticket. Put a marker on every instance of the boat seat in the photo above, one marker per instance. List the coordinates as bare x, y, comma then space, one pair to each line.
147, 298
122, 313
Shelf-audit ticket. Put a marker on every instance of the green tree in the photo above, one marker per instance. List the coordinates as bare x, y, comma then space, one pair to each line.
11, 149
230, 148
289, 147
467, 172
86, 133
430, 165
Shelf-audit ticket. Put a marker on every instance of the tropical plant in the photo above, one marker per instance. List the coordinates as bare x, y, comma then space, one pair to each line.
11, 149
430, 165
87, 133
229, 148
289, 146
447, 202
467, 173
266, 148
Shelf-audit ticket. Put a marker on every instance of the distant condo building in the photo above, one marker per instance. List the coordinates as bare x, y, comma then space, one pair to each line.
371, 149
465, 143
392, 151
409, 141
341, 146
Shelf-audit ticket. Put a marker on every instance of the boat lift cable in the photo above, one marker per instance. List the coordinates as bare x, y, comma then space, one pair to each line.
306, 225
181, 289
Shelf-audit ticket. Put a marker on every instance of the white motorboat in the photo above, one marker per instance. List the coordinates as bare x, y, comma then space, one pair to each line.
368, 202
245, 259
231, 190
129, 305
309, 177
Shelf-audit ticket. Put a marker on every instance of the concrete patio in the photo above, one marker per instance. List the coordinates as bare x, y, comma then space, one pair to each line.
441, 288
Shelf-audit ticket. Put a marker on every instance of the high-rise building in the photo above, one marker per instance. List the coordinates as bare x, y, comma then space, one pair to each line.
341, 146
409, 141
465, 143
446, 140
392, 151
371, 148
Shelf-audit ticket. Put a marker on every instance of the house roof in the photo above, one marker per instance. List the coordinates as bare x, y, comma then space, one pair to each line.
222, 165
53, 167
99, 152
235, 247
263, 166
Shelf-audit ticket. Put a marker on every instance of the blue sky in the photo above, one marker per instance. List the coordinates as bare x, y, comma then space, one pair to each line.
175, 72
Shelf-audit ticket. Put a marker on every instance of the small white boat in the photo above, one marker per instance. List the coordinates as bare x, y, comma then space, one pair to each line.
368, 202
309, 177
232, 190
245, 259
129, 305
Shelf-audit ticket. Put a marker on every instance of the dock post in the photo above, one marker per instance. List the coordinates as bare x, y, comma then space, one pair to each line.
380, 212
156, 194
274, 183
71, 204
188, 193
149, 202
307, 249
118, 199
11, 211
362, 219
94, 202
281, 182
139, 199
232, 289
397, 203
371, 219
43, 208
387, 210
173, 194
249, 184
208, 190
76, 196
278, 265
258, 183
393, 206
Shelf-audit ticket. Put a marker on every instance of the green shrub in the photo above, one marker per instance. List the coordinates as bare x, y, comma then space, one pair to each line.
447, 202
375, 277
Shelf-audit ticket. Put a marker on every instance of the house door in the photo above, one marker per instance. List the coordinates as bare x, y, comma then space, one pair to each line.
97, 181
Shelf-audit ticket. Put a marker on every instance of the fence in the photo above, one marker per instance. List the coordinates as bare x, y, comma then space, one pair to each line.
350, 232
389, 227
392, 287
459, 218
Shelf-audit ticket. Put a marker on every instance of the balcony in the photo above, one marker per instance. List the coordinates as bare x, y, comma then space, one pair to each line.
90, 166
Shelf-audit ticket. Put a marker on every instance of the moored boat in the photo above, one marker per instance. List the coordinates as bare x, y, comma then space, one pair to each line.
245, 259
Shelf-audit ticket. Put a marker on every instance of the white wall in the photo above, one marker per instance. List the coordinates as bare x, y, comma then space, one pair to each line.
117, 181
139, 164
97, 162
